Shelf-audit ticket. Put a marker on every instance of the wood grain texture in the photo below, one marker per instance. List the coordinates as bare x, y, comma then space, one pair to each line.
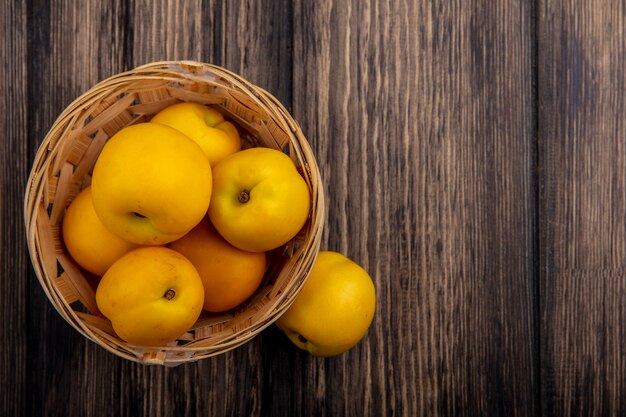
421, 118
14, 261
243, 38
170, 30
501, 283
582, 130
76, 46
72, 48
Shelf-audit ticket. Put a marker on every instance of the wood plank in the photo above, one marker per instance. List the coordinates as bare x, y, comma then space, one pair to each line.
582, 113
421, 117
258, 44
171, 30
167, 30
14, 262
73, 48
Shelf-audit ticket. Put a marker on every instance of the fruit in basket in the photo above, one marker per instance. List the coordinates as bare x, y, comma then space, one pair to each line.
151, 184
152, 296
229, 275
334, 309
259, 199
89, 243
217, 137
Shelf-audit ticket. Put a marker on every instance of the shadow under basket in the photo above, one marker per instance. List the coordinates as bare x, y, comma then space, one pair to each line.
63, 167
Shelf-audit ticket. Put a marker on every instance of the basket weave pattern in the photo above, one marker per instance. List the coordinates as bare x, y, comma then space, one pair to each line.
63, 167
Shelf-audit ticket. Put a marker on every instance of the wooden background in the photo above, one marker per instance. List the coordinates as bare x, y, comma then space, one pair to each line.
473, 155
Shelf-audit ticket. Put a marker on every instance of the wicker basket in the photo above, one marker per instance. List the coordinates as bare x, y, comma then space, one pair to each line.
63, 165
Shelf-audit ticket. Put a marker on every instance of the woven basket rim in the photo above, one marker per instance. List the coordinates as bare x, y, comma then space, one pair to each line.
56, 138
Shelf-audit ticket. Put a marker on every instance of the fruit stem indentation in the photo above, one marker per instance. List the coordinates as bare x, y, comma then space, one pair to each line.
169, 294
244, 196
